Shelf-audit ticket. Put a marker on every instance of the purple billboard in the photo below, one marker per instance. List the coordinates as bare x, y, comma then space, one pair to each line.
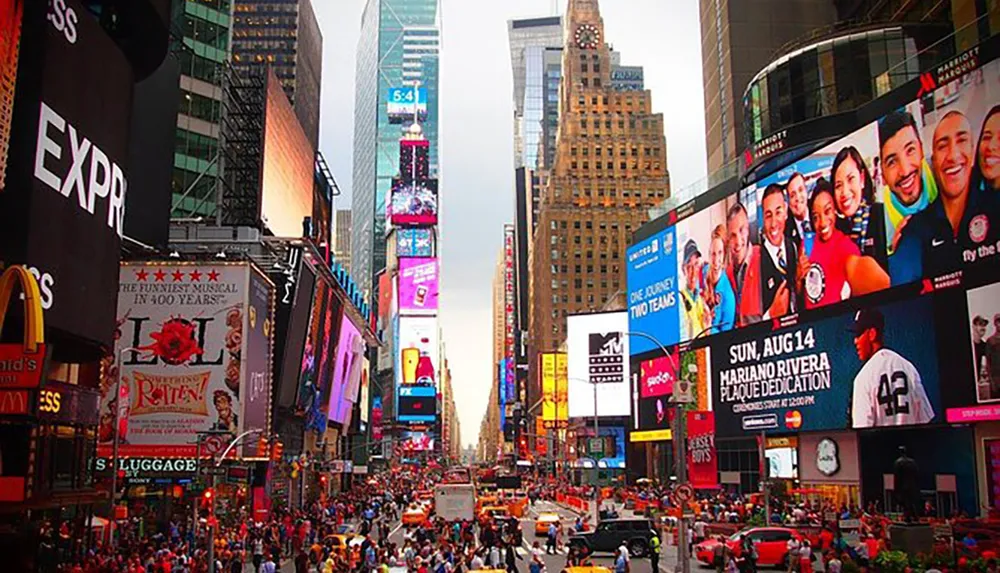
418, 286
346, 372
257, 363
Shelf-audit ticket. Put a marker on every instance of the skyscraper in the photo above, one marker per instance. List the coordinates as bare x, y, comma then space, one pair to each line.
737, 40
398, 47
610, 166
528, 40
284, 35
342, 238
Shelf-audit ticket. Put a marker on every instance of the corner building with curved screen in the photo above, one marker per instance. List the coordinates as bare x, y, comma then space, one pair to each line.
838, 301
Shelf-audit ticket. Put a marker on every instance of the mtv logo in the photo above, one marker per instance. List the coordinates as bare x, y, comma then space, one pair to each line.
607, 357
607, 344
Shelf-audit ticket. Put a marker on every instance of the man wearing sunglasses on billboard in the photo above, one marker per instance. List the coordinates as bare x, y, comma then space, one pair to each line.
956, 227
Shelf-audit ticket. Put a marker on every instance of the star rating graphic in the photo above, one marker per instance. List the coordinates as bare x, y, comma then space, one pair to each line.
160, 275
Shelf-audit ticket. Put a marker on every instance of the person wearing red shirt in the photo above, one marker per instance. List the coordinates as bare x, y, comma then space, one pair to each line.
835, 270
743, 268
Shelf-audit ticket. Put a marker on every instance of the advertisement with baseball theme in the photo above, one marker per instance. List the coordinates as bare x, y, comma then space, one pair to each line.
873, 367
181, 342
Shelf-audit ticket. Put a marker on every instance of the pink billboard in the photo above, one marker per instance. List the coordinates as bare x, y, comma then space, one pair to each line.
346, 372
657, 376
418, 285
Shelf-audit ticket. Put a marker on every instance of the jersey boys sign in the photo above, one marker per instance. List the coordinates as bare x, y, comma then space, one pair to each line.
872, 368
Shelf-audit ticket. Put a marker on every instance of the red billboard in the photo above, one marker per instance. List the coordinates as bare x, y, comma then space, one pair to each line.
703, 466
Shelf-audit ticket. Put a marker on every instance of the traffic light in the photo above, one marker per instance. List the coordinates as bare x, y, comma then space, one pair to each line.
207, 498
322, 480
262, 447
276, 451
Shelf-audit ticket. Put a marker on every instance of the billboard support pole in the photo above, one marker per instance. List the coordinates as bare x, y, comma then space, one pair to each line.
117, 440
764, 474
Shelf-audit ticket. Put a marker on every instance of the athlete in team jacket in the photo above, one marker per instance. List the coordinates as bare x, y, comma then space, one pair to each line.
888, 390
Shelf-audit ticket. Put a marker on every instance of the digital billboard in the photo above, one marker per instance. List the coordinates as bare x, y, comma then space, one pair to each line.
407, 104
983, 317
346, 371
11, 12
364, 398
508, 293
191, 326
414, 203
259, 342
907, 197
417, 350
288, 166
64, 192
417, 404
872, 367
598, 358
414, 243
418, 441
418, 286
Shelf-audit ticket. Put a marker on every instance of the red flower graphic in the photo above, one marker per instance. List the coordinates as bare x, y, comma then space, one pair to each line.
175, 343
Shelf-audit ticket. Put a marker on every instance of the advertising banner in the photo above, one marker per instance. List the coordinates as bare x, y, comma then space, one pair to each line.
291, 327
407, 104
414, 203
188, 324
11, 13
598, 351
509, 312
418, 441
346, 371
548, 373
984, 317
562, 390
418, 286
257, 374
656, 379
417, 350
317, 368
875, 367
364, 400
651, 276
417, 404
703, 465
288, 166
414, 243
62, 208
377, 418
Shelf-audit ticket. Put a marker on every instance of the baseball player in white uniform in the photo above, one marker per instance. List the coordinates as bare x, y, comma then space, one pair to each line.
888, 390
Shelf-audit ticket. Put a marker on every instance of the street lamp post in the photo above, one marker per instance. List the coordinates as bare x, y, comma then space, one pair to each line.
680, 461
116, 441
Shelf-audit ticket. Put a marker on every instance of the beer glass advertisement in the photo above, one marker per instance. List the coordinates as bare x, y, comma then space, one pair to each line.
182, 329
418, 286
417, 350
874, 367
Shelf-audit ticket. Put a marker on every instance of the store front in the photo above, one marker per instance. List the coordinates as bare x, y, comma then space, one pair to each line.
155, 491
828, 468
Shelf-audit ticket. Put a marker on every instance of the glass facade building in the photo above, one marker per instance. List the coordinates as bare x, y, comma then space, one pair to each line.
398, 46
529, 38
202, 50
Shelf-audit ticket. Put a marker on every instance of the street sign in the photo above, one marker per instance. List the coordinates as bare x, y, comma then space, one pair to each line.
684, 493
214, 471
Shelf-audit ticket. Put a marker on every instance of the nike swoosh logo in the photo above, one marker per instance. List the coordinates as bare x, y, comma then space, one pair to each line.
937, 242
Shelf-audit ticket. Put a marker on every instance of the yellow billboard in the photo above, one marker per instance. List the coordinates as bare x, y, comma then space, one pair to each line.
548, 373
562, 390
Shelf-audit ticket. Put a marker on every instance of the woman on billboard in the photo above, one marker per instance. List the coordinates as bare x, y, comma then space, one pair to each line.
836, 269
859, 216
719, 295
988, 151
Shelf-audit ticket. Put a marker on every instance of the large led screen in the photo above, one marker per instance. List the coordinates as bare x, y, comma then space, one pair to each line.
288, 170
10, 42
346, 371
907, 197
414, 203
874, 367
417, 404
598, 360
414, 243
417, 350
418, 286
407, 104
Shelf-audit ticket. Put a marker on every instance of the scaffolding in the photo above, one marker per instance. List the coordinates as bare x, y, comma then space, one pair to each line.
241, 147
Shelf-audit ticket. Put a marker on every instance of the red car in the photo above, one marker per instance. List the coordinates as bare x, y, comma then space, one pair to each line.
771, 542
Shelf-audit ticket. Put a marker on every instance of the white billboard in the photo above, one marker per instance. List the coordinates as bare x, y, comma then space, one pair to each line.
421, 333
597, 348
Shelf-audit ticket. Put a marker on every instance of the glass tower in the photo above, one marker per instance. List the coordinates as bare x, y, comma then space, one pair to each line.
398, 46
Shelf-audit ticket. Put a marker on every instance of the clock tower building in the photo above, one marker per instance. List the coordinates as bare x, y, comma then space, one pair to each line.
610, 167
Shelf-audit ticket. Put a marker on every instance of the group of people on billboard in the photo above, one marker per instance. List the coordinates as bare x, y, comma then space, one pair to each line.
912, 195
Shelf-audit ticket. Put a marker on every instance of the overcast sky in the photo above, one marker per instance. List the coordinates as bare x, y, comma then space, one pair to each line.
476, 150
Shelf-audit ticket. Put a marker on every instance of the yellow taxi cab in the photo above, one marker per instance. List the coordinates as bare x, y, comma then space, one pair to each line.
486, 501
586, 569
544, 521
414, 515
346, 545
492, 512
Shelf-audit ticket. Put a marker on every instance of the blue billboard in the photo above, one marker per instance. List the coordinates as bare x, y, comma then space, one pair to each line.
414, 243
651, 275
416, 404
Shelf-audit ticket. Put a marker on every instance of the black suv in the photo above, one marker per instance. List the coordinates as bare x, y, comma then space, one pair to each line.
610, 534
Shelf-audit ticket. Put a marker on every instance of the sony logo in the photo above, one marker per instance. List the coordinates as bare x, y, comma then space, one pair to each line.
63, 19
104, 178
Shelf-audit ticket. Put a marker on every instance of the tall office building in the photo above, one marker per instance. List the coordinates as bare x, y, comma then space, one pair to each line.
610, 166
528, 40
739, 38
398, 47
284, 35
342, 238
202, 52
